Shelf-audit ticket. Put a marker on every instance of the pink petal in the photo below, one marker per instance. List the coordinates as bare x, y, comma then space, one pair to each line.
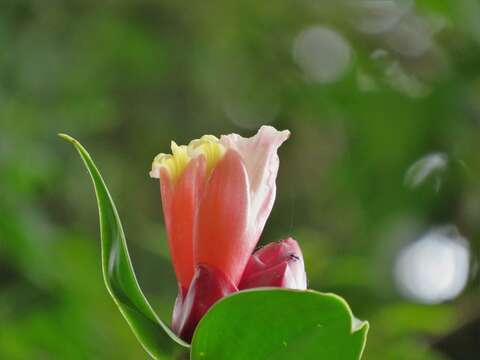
208, 286
221, 239
259, 154
276, 264
179, 207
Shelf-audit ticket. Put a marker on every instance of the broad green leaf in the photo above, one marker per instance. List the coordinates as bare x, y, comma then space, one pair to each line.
156, 337
279, 324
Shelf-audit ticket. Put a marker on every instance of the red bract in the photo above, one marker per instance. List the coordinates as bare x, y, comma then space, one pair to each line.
276, 264
217, 196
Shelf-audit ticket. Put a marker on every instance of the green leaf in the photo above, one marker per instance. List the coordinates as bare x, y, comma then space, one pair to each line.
279, 324
156, 337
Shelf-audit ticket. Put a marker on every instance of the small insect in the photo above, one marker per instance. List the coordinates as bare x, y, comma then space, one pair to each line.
293, 257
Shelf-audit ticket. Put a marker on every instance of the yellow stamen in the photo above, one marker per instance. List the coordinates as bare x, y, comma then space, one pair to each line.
209, 146
175, 163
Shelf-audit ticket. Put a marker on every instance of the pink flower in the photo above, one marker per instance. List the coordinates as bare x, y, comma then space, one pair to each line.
217, 196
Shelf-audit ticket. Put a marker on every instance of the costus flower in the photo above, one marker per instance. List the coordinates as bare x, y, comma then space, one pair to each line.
217, 195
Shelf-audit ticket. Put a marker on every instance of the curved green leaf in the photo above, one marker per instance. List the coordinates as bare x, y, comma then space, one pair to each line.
156, 337
279, 324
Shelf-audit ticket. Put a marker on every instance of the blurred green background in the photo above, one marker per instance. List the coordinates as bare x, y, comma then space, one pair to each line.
379, 182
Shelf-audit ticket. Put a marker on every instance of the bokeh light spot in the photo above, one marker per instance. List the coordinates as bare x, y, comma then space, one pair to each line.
431, 166
322, 53
434, 268
375, 17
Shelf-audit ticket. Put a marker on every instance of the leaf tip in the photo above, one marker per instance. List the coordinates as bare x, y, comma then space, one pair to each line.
68, 138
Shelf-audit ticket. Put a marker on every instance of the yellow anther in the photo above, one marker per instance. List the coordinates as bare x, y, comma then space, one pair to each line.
208, 146
175, 164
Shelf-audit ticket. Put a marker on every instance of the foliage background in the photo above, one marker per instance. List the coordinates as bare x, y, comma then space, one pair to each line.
126, 77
